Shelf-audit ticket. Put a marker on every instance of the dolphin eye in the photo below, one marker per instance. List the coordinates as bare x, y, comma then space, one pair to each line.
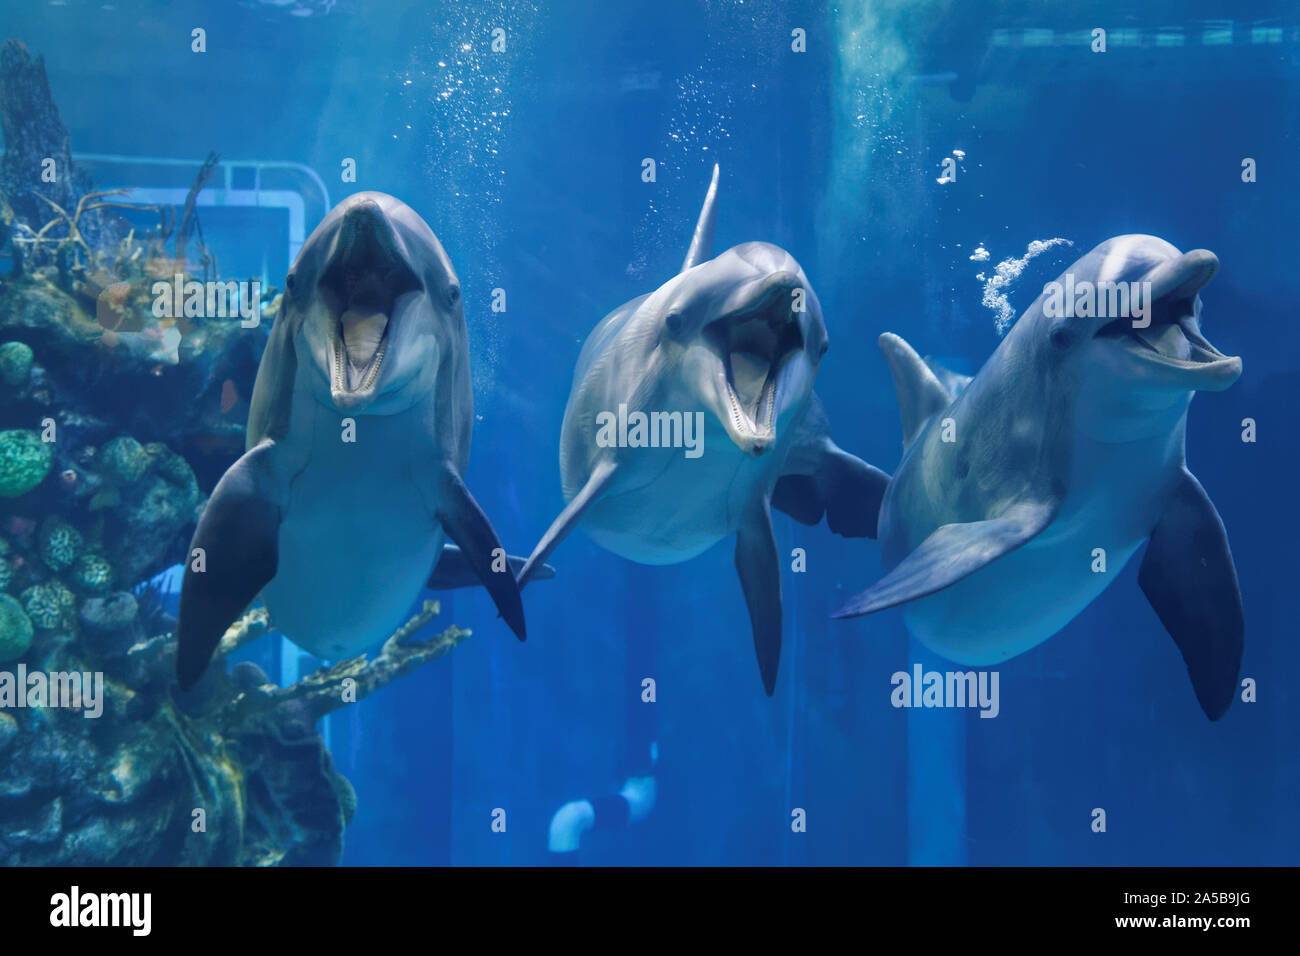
1062, 337
291, 283
453, 294
674, 322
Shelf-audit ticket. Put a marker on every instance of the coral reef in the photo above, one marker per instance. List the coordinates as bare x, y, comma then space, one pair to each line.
124, 460
15, 630
232, 773
60, 543
15, 363
50, 606
113, 422
92, 574
24, 461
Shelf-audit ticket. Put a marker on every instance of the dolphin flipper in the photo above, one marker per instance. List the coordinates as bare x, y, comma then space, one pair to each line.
843, 487
820, 478
467, 525
951, 553
760, 577
1189, 578
239, 537
453, 570
568, 519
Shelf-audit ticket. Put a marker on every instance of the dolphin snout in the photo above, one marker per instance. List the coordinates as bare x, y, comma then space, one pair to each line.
760, 296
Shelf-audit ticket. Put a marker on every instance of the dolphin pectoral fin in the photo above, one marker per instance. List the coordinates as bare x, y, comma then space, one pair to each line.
949, 554
1189, 578
760, 578
567, 519
921, 395
842, 487
238, 552
467, 525
453, 570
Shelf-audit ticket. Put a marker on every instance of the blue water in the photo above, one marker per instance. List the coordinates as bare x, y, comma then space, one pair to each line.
527, 164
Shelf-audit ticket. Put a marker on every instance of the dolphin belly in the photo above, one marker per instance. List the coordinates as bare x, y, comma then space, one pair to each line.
687, 507
1026, 596
357, 542
1012, 605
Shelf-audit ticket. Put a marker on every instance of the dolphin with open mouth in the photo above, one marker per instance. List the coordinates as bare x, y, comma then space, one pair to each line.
358, 435
1070, 439
733, 342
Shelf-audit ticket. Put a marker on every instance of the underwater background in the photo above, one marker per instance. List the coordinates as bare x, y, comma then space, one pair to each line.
527, 164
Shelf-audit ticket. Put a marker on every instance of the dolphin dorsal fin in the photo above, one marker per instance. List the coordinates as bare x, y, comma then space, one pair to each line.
953, 382
921, 395
702, 242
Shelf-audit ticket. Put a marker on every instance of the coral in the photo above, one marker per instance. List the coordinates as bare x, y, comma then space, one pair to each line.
122, 790
148, 529
24, 462
15, 363
60, 543
92, 573
50, 606
15, 630
172, 466
6, 573
124, 460
8, 731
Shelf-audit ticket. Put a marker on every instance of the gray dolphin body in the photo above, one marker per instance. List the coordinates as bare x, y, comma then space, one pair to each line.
1070, 439
340, 535
734, 343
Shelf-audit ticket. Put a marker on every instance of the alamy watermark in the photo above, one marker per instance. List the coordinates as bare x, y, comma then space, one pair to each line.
192, 299
651, 430
71, 690
946, 689
1103, 299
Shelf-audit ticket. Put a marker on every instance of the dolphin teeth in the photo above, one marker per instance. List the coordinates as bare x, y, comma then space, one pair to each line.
1168, 340
362, 335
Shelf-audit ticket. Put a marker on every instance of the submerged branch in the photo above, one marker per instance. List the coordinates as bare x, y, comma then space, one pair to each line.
346, 682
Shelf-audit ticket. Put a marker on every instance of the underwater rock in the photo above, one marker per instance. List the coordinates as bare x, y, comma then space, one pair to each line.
24, 461
111, 612
149, 528
33, 134
15, 363
15, 630
60, 543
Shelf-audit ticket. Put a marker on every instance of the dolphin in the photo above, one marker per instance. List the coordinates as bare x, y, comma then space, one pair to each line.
358, 435
1071, 438
725, 353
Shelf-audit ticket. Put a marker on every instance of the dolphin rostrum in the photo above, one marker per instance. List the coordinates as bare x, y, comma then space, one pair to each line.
1020, 497
692, 412
358, 435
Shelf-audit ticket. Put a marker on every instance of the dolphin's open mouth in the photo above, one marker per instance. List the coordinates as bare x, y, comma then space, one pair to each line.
366, 274
1169, 343
1171, 339
755, 342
